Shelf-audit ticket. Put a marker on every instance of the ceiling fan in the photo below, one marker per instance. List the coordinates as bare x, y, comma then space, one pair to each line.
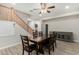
44, 8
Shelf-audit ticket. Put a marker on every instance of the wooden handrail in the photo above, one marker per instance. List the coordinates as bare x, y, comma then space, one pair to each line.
5, 6
27, 27
12, 16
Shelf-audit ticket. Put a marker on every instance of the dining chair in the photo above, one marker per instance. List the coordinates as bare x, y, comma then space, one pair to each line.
52, 42
40, 34
35, 34
55, 37
48, 44
26, 46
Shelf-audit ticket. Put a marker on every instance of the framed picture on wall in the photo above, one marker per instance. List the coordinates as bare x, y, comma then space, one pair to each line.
36, 25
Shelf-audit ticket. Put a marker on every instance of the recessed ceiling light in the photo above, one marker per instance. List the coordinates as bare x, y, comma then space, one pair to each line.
66, 7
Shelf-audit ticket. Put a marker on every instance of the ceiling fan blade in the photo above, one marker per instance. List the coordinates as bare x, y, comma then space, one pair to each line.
51, 7
39, 12
31, 10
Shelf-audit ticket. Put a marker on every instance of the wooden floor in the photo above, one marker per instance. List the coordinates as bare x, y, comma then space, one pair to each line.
63, 48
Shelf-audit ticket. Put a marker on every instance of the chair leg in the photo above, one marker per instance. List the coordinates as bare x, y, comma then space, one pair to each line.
53, 47
42, 51
49, 51
23, 52
36, 52
55, 44
28, 53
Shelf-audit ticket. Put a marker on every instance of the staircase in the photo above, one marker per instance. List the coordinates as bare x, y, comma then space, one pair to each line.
9, 14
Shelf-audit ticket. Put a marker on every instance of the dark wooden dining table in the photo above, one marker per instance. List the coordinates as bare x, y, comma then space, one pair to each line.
39, 41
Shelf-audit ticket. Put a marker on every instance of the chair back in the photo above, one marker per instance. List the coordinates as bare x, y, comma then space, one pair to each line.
25, 41
35, 34
40, 34
51, 41
52, 38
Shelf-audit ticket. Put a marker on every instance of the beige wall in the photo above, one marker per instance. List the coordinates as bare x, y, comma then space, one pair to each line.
65, 24
12, 33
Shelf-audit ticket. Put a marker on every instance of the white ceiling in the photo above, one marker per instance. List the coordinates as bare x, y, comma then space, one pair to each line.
57, 11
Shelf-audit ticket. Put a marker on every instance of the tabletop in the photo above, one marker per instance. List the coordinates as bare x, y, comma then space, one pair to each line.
38, 39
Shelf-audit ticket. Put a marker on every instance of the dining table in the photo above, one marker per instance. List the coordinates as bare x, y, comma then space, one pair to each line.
39, 41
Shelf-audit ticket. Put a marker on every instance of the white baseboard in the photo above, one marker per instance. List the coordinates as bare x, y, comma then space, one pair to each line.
76, 41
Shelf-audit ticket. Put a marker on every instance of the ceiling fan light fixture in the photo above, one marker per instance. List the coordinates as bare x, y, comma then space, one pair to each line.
43, 11
66, 7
